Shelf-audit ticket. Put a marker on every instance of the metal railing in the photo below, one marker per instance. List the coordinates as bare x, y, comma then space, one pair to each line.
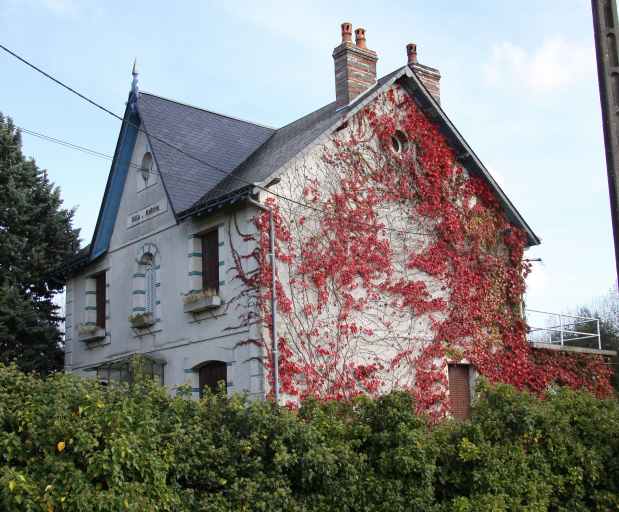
562, 329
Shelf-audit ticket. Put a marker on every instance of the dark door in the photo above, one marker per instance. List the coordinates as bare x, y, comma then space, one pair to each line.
211, 374
459, 391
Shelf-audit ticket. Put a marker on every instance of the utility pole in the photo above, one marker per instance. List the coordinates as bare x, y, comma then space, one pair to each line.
606, 34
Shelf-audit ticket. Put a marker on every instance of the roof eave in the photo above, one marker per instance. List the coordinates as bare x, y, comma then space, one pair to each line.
218, 203
433, 110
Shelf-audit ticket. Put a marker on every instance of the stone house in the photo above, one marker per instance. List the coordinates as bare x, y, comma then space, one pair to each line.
175, 264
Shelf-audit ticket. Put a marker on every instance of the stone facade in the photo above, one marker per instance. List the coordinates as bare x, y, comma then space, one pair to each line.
182, 341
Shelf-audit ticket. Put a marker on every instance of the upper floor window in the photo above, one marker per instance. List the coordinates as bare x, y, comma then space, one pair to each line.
146, 173
100, 299
146, 305
148, 264
147, 166
399, 141
210, 261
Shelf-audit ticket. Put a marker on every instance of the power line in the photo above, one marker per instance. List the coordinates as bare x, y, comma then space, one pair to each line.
172, 146
83, 149
65, 143
139, 128
62, 84
98, 154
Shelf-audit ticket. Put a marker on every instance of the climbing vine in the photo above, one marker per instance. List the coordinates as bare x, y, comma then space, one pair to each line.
402, 262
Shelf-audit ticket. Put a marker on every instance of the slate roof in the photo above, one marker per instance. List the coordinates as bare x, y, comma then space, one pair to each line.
285, 144
241, 153
210, 138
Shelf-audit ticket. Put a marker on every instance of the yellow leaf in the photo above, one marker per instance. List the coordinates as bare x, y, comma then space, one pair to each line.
60, 446
126, 503
50, 507
12, 485
100, 404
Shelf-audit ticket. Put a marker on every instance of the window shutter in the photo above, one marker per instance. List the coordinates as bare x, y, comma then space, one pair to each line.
211, 374
210, 260
100, 299
149, 282
459, 391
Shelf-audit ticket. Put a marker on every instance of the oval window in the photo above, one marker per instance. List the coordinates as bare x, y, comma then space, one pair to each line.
399, 141
147, 166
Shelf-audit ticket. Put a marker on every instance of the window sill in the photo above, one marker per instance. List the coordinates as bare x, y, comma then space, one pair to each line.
202, 304
142, 321
92, 335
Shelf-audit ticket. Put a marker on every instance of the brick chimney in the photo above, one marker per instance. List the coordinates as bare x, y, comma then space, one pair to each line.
355, 66
430, 77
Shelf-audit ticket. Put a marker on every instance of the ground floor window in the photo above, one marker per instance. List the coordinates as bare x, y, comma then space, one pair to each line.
460, 390
126, 369
211, 374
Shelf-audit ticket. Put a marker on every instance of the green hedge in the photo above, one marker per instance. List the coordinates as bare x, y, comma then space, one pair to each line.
73, 445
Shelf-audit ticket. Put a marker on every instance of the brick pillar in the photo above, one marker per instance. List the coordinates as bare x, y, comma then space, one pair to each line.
430, 77
355, 66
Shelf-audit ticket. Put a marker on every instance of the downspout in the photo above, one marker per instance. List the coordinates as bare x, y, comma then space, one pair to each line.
275, 349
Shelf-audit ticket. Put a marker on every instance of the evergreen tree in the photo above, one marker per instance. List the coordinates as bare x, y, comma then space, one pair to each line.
36, 236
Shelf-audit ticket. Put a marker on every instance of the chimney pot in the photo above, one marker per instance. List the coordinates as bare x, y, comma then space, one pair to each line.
360, 37
429, 77
411, 52
346, 32
355, 66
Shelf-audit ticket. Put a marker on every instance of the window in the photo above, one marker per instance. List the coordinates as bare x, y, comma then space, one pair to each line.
146, 289
399, 141
100, 299
459, 390
210, 261
146, 167
147, 263
128, 368
211, 374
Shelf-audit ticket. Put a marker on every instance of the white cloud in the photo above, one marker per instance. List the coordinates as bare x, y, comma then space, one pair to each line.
556, 64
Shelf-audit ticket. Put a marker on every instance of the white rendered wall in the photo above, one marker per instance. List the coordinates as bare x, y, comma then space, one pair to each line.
183, 340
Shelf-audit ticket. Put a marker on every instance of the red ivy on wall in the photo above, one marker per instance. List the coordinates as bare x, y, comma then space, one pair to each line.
463, 272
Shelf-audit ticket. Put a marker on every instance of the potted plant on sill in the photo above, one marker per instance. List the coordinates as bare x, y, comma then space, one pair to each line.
141, 320
201, 300
90, 332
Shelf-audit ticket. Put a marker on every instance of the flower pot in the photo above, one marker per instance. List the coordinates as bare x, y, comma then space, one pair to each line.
142, 320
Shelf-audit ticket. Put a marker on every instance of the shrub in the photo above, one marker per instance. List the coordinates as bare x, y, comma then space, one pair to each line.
70, 444
522, 453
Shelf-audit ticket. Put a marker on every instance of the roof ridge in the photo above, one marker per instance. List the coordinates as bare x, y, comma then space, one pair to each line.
304, 116
209, 111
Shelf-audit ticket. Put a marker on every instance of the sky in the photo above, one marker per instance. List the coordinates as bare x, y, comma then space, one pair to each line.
518, 81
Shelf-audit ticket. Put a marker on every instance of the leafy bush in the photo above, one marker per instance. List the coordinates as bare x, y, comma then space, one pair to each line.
72, 445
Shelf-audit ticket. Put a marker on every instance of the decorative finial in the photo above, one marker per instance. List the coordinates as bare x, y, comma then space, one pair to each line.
135, 92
